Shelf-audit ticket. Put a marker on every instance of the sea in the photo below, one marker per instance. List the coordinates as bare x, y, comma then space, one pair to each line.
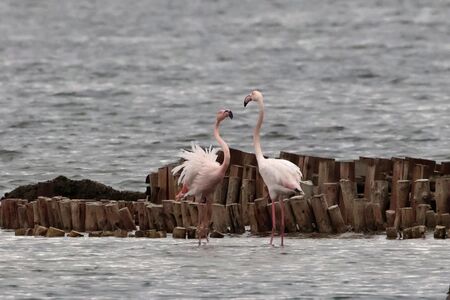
112, 90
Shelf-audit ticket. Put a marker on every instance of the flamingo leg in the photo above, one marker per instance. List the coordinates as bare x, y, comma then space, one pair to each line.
273, 223
282, 220
208, 216
200, 222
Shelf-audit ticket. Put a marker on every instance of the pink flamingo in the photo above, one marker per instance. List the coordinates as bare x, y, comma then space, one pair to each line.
281, 176
201, 173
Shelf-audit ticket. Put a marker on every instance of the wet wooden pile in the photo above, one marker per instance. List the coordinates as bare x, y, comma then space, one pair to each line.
402, 196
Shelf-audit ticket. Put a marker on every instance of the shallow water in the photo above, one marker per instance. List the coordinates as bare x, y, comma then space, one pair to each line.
110, 90
233, 267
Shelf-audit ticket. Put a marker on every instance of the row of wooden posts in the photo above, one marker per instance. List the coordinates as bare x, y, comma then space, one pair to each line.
402, 196
362, 195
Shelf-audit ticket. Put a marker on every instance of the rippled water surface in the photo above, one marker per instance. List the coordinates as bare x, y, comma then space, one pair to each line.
110, 90
238, 267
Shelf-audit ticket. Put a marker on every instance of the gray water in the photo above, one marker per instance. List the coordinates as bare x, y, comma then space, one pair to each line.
238, 267
111, 90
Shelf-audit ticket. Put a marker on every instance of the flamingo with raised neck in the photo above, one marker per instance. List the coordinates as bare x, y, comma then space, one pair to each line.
201, 173
281, 177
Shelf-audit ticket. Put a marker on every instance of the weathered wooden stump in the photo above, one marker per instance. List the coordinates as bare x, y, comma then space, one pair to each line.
126, 219
308, 188
30, 215
262, 215
20, 231
42, 230
185, 216
336, 219
430, 219
331, 192
42, 209
113, 215
289, 218
235, 218
74, 233
120, 233
220, 194
193, 213
219, 217
369, 217
445, 220
55, 232
380, 195
391, 233
177, 213
421, 213
22, 216
407, 217
191, 232
252, 218
378, 216
179, 233
440, 232
320, 209
359, 213
390, 218
65, 214
234, 189
91, 217
303, 214
158, 216
442, 194
348, 191
143, 219
248, 193
169, 217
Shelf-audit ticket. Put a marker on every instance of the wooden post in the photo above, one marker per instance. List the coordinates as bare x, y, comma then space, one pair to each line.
326, 172
390, 218
402, 198
391, 233
247, 196
235, 217
289, 219
347, 170
185, 216
102, 220
308, 188
236, 171
378, 216
442, 194
380, 195
171, 183
421, 213
43, 213
359, 208
154, 188
91, 217
234, 189
126, 219
398, 169
430, 219
169, 217
331, 192
320, 209
440, 232
219, 217
113, 215
177, 213
66, 214
50, 213
142, 215
336, 219
407, 217
158, 216
369, 217
22, 216
30, 215
179, 233
303, 214
36, 215
252, 218
193, 212
262, 215
445, 220
420, 194
75, 215
249, 172
163, 193
348, 190
220, 194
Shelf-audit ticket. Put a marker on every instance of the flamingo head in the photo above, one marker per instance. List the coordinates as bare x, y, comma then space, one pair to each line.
223, 114
253, 96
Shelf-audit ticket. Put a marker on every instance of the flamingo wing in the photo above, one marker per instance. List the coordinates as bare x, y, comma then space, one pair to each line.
197, 162
280, 174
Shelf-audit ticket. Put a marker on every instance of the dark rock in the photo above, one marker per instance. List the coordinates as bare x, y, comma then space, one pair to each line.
74, 189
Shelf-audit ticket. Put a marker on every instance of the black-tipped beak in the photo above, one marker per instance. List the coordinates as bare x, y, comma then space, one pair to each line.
247, 100
230, 113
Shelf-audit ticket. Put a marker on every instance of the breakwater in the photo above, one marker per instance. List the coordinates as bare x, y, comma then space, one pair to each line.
403, 197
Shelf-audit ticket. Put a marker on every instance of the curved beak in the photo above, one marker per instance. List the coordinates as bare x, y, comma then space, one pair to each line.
230, 113
247, 100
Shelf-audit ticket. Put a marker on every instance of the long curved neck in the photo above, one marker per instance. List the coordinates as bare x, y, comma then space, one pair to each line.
225, 149
256, 137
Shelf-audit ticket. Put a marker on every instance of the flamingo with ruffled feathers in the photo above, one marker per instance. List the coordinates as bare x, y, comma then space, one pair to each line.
281, 177
201, 173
